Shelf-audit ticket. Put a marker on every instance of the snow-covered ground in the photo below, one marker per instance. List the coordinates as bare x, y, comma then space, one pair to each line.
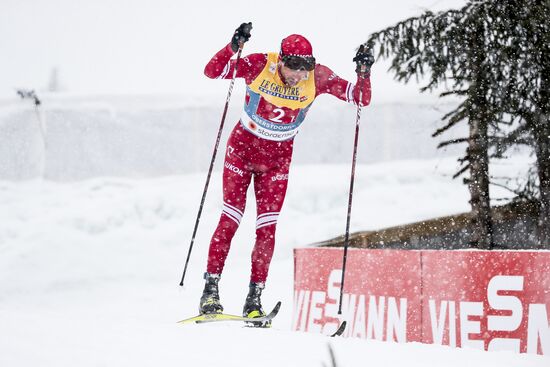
89, 270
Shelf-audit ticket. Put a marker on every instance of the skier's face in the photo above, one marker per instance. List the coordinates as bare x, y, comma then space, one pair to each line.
292, 77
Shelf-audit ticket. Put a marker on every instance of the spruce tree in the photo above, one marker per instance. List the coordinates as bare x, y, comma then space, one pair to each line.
529, 98
450, 49
495, 56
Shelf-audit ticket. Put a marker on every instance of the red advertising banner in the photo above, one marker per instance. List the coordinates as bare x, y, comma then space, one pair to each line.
381, 295
491, 300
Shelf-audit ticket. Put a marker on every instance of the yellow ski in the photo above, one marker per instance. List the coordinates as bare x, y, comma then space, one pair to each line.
217, 317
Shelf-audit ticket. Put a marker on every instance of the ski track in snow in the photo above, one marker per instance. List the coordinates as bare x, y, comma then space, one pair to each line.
90, 269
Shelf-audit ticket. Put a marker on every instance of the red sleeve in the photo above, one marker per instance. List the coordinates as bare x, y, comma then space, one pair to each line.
221, 66
326, 81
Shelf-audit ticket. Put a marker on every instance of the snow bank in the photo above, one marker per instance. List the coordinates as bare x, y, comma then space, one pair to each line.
151, 136
90, 269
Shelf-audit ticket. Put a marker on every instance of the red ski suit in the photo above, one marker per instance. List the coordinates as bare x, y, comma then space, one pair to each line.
260, 146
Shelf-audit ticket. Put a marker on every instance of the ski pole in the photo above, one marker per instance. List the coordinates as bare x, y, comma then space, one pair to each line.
212, 162
350, 197
31, 95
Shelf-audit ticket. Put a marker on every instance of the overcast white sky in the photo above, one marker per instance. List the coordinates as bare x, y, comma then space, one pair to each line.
161, 46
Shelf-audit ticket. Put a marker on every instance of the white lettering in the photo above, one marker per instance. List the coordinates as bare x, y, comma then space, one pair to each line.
349, 302
375, 324
305, 309
334, 282
386, 319
508, 303
438, 327
397, 322
280, 177
268, 130
452, 324
468, 326
359, 322
538, 329
333, 293
299, 297
316, 312
232, 168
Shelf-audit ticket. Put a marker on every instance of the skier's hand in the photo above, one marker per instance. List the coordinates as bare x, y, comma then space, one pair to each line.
241, 35
364, 58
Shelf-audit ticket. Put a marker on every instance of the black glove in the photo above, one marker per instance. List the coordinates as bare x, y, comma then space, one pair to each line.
241, 35
364, 59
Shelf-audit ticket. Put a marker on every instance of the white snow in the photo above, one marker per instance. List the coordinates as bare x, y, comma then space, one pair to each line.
90, 269
151, 136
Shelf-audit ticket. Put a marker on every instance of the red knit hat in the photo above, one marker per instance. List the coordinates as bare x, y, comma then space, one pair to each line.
296, 45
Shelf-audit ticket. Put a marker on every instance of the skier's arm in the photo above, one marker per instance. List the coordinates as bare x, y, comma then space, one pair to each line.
221, 66
326, 81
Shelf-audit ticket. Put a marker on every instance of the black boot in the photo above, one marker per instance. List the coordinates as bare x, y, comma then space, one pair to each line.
210, 300
253, 304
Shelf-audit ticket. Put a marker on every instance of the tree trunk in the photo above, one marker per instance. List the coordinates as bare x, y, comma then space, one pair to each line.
478, 144
478, 184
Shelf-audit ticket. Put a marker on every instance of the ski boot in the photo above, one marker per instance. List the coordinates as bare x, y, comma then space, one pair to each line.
253, 305
210, 299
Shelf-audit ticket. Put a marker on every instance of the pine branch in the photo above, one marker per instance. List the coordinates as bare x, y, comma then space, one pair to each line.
461, 171
461, 92
519, 193
512, 138
466, 158
458, 114
453, 141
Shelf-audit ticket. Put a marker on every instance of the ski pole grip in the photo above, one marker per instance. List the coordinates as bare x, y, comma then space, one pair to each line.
247, 27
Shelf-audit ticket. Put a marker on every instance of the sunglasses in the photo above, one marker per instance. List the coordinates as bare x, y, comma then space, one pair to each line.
299, 63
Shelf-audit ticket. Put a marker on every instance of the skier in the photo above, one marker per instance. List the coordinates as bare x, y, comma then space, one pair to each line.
280, 90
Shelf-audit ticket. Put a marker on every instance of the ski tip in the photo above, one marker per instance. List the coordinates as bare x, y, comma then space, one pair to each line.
275, 311
340, 330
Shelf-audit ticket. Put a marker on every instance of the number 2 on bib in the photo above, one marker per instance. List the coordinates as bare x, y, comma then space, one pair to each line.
281, 114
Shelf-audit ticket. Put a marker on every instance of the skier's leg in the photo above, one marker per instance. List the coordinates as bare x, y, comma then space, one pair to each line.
236, 179
270, 188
